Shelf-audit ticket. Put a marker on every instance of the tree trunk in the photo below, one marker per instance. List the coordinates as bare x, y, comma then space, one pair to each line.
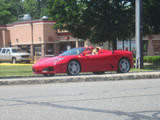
114, 44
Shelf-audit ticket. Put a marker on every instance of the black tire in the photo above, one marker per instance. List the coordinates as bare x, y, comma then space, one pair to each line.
14, 60
123, 66
73, 67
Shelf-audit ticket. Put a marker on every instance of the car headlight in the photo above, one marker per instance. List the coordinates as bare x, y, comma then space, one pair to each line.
58, 60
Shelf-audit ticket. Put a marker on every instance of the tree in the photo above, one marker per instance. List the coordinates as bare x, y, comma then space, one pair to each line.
11, 9
112, 20
69, 16
151, 18
41, 5
16, 8
30, 6
36, 8
5, 14
99, 21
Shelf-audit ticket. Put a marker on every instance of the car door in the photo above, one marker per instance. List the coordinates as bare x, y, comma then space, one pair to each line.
95, 62
8, 56
2, 55
108, 61
100, 62
92, 63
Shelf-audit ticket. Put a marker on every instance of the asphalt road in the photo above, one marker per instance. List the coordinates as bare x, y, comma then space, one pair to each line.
110, 100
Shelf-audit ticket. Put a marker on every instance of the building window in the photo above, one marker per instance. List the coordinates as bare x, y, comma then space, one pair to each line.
37, 50
25, 48
49, 49
81, 43
145, 46
65, 45
156, 48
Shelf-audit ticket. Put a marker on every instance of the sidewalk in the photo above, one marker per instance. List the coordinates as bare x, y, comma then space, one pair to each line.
79, 78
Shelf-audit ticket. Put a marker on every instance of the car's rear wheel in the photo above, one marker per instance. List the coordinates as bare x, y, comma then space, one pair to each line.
73, 67
13, 60
123, 66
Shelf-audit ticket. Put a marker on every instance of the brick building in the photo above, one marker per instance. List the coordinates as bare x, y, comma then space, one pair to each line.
37, 37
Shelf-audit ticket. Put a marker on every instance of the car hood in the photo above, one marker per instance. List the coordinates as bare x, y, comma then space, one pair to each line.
47, 60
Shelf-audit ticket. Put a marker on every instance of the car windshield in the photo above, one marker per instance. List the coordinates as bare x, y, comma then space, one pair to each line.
74, 51
17, 50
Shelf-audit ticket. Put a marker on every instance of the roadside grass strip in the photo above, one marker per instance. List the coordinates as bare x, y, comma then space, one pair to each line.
16, 64
15, 70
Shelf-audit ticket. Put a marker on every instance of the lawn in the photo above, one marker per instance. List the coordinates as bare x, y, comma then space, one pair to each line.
15, 70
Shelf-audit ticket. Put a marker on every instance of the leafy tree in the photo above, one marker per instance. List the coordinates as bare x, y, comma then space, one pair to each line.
16, 8
112, 19
41, 5
5, 14
36, 8
69, 16
151, 18
30, 6
97, 20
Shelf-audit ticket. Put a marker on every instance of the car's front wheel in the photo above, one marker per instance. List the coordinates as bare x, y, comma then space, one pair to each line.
123, 66
73, 67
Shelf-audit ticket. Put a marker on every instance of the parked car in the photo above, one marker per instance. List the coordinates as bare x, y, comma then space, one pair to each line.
14, 54
76, 60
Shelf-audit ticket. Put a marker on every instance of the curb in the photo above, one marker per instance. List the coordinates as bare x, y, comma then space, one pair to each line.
80, 78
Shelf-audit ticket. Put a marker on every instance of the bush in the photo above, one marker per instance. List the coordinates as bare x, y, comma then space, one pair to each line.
152, 59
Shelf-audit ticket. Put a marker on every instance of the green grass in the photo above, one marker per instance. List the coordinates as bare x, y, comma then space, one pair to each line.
146, 68
23, 70
139, 70
26, 70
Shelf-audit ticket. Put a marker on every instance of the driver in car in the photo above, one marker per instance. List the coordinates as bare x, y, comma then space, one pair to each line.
89, 51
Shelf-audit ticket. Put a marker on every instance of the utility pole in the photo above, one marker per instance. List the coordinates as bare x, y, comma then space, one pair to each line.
139, 28
32, 44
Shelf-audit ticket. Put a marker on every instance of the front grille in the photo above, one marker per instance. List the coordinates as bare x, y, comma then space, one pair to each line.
48, 69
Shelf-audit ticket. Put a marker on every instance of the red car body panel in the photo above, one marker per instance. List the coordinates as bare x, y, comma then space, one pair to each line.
105, 61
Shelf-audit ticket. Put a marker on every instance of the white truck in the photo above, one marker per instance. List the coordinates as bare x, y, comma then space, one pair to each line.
14, 54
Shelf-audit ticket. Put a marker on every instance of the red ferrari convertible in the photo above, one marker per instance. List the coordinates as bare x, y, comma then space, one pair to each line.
78, 60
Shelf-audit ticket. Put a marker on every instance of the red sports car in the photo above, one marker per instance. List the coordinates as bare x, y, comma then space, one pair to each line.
78, 60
